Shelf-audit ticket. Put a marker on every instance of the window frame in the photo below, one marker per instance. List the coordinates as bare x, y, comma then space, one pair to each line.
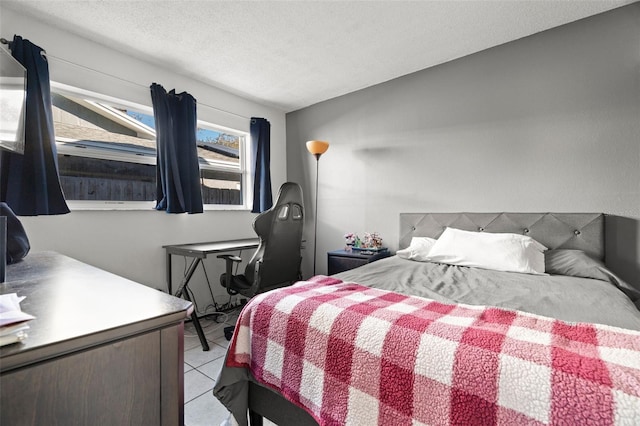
66, 146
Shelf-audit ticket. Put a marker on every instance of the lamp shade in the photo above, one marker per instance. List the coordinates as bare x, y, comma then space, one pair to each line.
317, 148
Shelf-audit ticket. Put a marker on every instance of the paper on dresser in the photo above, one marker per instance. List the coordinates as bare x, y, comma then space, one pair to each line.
10, 311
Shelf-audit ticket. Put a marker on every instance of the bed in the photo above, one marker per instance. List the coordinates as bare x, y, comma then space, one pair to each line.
517, 348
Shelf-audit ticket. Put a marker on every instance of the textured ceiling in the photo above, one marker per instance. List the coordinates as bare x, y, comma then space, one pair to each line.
296, 53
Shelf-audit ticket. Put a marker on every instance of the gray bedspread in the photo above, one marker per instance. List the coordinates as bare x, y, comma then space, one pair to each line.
568, 298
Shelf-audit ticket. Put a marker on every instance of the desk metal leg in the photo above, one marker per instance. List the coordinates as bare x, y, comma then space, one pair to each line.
196, 323
182, 292
168, 272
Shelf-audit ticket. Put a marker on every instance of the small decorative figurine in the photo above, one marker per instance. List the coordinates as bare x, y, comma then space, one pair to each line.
351, 240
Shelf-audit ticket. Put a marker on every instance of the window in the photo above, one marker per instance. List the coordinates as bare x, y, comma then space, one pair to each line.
107, 154
220, 172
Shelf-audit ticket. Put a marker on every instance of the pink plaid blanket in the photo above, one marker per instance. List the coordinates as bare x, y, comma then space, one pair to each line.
354, 355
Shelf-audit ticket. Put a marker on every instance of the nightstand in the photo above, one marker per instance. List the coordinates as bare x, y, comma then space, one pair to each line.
341, 260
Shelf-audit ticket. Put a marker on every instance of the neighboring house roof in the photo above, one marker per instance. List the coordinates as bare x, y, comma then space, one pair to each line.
117, 116
82, 133
108, 140
100, 138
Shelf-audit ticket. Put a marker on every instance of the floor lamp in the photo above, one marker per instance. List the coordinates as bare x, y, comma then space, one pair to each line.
317, 148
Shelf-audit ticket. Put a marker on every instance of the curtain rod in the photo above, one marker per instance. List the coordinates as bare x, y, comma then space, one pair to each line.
5, 41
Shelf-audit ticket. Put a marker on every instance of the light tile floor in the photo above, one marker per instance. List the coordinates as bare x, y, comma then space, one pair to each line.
201, 369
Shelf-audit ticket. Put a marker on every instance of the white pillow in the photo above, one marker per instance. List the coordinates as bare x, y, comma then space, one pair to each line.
500, 252
418, 249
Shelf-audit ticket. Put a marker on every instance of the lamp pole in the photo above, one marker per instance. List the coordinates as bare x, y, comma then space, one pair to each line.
315, 216
317, 148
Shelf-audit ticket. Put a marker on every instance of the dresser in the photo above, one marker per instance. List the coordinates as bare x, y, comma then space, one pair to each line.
103, 350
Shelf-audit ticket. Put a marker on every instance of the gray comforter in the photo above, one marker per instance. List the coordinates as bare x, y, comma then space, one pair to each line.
606, 300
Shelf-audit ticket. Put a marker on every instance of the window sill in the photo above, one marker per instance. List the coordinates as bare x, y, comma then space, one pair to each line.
138, 206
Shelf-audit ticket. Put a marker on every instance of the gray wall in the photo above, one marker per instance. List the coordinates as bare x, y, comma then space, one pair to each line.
550, 122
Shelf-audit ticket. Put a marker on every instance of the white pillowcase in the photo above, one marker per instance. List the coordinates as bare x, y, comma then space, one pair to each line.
500, 252
418, 250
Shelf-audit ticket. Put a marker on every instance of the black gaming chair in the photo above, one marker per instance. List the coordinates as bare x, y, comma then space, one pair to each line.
276, 262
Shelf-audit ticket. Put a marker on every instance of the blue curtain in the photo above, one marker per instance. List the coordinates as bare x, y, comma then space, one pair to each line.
30, 183
260, 130
177, 170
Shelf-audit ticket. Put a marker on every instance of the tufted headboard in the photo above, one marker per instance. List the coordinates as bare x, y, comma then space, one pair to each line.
582, 231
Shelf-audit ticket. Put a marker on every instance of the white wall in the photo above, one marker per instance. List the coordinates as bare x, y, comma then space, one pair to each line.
548, 123
129, 243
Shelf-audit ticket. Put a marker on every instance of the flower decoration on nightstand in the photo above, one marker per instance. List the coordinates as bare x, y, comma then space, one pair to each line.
372, 240
351, 240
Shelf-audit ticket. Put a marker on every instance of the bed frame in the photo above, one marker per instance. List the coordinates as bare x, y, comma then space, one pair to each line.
581, 231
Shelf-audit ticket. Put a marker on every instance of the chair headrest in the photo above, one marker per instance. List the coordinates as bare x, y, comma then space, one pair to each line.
290, 192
